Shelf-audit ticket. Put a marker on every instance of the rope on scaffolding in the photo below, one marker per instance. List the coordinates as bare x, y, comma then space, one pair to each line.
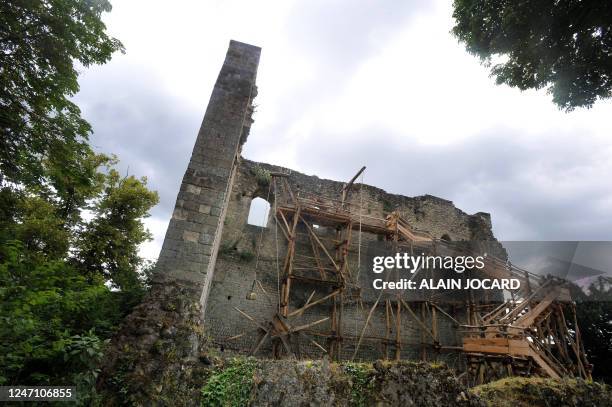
358, 300
251, 294
359, 239
276, 241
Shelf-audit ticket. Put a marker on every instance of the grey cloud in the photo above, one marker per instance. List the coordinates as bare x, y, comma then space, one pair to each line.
336, 38
494, 173
151, 132
577, 261
340, 33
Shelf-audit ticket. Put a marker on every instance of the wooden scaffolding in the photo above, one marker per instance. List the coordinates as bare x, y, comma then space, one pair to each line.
534, 332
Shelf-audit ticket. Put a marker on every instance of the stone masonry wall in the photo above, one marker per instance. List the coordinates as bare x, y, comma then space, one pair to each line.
211, 256
243, 258
158, 355
193, 236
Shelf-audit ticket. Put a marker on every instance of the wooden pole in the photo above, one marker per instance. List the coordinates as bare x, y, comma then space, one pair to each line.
398, 325
387, 330
365, 325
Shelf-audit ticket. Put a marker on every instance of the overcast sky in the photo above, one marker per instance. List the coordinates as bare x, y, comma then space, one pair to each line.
349, 83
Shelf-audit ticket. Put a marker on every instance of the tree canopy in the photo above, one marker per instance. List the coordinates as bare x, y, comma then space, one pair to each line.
594, 315
43, 137
66, 280
564, 46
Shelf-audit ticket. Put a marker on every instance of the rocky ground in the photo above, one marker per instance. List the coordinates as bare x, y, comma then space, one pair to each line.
240, 381
535, 391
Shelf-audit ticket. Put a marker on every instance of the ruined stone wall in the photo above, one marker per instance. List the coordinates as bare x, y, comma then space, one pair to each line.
194, 233
156, 356
210, 258
249, 252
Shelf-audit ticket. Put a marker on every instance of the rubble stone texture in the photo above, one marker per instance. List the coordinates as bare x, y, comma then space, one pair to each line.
194, 233
157, 357
249, 252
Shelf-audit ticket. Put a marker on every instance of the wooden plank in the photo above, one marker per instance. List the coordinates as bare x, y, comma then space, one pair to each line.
250, 318
544, 365
320, 244
365, 325
261, 341
398, 325
518, 347
528, 319
311, 324
421, 324
478, 348
312, 304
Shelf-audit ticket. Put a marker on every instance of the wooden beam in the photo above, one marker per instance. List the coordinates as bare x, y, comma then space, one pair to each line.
312, 304
349, 185
398, 325
261, 341
320, 244
231, 338
446, 314
421, 324
365, 325
306, 326
315, 343
250, 318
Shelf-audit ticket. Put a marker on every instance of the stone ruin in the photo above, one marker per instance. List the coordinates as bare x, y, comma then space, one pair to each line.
222, 283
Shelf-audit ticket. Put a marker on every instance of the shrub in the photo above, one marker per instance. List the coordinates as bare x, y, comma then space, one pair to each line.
230, 386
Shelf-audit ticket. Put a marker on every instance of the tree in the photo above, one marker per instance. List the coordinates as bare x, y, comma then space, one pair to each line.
43, 139
56, 307
594, 315
44, 304
54, 293
565, 46
108, 245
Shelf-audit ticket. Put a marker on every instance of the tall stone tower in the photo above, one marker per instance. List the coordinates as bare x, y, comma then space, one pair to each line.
158, 353
192, 240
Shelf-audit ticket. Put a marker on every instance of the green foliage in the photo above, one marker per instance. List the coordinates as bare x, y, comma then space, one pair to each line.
84, 354
246, 256
387, 206
227, 248
230, 249
563, 46
57, 309
363, 383
53, 279
108, 245
231, 386
36, 222
535, 391
594, 313
51, 317
43, 139
262, 176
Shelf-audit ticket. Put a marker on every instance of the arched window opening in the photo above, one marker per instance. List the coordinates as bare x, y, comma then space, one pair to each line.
259, 212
